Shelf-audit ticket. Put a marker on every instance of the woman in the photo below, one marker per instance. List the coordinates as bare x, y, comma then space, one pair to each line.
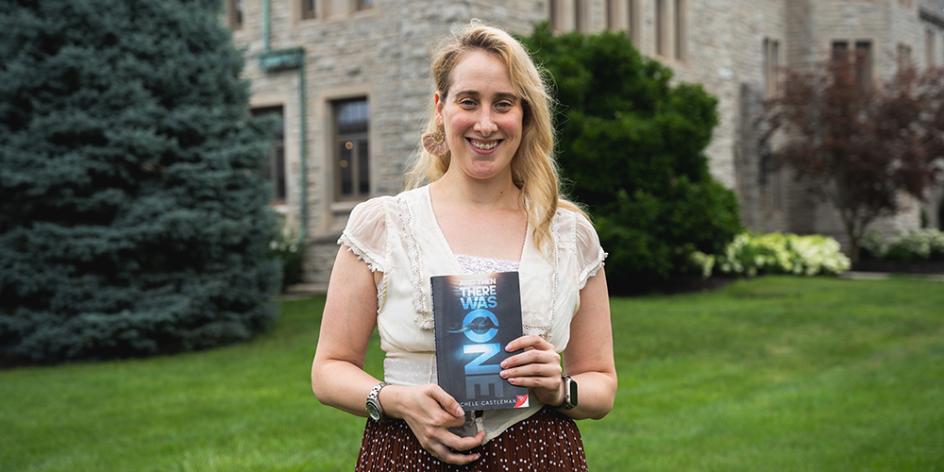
492, 205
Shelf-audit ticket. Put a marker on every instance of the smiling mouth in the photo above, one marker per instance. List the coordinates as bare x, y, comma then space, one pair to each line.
483, 145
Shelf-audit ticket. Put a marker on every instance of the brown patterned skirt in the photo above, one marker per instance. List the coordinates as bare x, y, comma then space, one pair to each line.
546, 441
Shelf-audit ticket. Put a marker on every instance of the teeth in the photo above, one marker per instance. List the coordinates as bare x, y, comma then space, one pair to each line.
484, 145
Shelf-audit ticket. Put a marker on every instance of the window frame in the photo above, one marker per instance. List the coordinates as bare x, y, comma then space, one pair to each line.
356, 138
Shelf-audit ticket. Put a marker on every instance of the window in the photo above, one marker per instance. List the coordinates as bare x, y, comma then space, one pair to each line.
578, 15
863, 63
904, 56
859, 59
840, 51
681, 32
634, 22
365, 4
611, 7
351, 162
309, 9
273, 169
661, 27
929, 47
234, 13
553, 16
771, 67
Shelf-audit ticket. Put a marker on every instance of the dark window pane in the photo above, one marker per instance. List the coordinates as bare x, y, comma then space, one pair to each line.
352, 116
273, 169
279, 163
840, 51
363, 168
345, 167
352, 160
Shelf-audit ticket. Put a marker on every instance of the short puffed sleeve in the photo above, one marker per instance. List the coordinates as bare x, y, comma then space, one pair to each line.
366, 233
590, 254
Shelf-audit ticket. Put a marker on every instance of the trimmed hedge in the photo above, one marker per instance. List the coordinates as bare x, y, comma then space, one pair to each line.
916, 245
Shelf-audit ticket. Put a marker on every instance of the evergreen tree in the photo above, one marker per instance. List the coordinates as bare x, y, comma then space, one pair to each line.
133, 220
631, 147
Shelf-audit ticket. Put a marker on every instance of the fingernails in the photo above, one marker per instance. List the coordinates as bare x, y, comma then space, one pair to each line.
459, 411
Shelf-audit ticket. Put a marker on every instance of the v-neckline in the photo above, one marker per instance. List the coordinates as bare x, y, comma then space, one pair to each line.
441, 236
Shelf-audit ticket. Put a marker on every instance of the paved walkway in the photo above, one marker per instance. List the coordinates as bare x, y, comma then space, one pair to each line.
853, 275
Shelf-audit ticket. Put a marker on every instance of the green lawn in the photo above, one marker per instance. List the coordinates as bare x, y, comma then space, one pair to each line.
775, 373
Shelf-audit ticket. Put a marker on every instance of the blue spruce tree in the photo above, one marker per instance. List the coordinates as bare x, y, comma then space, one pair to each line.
133, 220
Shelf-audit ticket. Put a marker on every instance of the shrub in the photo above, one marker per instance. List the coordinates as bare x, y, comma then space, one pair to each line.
133, 219
288, 249
631, 147
914, 245
775, 253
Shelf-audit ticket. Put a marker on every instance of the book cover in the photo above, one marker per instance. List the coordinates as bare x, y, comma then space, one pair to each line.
476, 316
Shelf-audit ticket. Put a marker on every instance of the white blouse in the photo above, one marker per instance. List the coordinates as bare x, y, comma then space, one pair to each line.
399, 236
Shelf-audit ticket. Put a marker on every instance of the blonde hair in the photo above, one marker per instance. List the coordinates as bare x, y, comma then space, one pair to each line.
533, 169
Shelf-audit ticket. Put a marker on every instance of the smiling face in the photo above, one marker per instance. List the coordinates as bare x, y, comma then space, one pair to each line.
482, 116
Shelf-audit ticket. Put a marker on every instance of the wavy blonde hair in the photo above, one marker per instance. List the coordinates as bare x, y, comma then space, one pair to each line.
533, 169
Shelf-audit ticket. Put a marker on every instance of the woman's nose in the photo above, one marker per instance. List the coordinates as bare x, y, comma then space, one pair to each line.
484, 124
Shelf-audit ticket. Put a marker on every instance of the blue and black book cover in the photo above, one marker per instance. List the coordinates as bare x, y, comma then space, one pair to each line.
475, 317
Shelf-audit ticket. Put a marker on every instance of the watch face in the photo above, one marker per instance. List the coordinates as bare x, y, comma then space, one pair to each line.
573, 393
373, 412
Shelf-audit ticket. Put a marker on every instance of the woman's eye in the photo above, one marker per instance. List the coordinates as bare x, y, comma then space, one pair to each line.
467, 103
503, 105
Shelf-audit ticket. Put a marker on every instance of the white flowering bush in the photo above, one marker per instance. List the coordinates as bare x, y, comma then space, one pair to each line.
288, 248
914, 245
775, 253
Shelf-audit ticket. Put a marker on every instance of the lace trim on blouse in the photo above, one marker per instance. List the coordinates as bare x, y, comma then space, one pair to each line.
477, 265
422, 302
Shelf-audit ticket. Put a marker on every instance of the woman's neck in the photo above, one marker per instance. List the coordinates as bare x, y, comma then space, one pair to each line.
498, 193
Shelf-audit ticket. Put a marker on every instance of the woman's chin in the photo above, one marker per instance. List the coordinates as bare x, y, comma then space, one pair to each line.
484, 173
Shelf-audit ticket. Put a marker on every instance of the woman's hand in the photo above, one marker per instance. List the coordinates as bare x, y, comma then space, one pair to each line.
538, 368
429, 412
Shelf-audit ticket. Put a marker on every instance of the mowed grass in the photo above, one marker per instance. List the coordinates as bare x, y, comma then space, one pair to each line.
775, 373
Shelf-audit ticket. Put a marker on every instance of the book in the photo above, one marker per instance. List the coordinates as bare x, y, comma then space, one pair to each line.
476, 316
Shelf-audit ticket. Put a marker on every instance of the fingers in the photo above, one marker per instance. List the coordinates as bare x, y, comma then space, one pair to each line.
533, 370
442, 452
449, 447
533, 356
446, 401
459, 443
550, 384
529, 341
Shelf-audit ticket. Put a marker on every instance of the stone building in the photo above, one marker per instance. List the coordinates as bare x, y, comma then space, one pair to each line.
350, 81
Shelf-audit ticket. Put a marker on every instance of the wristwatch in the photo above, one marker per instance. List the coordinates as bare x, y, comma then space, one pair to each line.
570, 394
374, 409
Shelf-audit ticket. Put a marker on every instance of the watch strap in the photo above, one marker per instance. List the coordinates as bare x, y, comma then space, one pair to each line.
374, 408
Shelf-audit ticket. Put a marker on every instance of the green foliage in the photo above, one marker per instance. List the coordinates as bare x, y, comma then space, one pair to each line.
776, 253
132, 218
631, 146
915, 245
